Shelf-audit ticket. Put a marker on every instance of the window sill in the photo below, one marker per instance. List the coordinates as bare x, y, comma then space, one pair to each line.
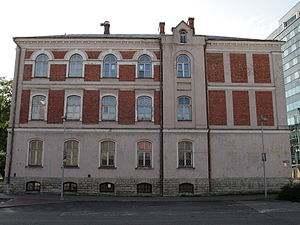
186, 167
39, 120
34, 166
41, 77
144, 168
113, 78
74, 77
145, 121
185, 77
71, 167
144, 78
107, 167
184, 120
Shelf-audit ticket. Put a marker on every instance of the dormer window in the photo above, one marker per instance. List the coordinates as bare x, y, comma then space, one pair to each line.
183, 36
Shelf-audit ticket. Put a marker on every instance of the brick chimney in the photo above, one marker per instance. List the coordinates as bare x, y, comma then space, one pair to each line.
191, 24
106, 25
162, 28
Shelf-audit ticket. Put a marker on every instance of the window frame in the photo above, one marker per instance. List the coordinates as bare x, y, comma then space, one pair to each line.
65, 155
106, 190
137, 108
116, 108
29, 164
143, 190
182, 106
34, 186
144, 64
183, 186
70, 183
185, 151
109, 71
66, 107
138, 166
47, 65
31, 106
70, 66
107, 166
183, 67
183, 36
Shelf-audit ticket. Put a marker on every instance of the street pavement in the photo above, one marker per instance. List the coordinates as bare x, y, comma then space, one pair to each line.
90, 210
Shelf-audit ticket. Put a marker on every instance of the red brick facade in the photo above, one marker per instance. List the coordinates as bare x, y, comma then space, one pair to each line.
92, 72
93, 54
127, 54
126, 107
217, 108
264, 107
241, 112
58, 72
157, 55
59, 54
55, 106
156, 72
90, 107
24, 113
28, 54
215, 67
261, 67
127, 72
157, 107
27, 73
238, 66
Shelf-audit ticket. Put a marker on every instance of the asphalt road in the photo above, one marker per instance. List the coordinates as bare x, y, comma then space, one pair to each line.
154, 212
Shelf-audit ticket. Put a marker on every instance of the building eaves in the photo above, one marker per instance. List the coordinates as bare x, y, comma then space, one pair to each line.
223, 38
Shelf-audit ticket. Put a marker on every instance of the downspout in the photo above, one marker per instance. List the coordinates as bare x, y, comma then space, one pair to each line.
207, 123
14, 114
161, 123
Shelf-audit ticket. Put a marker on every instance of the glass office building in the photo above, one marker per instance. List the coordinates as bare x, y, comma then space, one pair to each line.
289, 32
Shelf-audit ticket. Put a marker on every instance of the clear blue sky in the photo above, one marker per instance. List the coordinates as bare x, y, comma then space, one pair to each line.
239, 18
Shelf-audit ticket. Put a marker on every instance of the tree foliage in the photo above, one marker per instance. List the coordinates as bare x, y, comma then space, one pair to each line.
5, 103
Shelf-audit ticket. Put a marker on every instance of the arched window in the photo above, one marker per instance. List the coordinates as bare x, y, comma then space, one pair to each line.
107, 156
41, 66
107, 187
186, 188
73, 107
38, 107
185, 154
35, 153
183, 66
75, 66
110, 66
145, 67
33, 186
144, 108
184, 108
108, 108
71, 153
144, 154
183, 36
144, 188
70, 187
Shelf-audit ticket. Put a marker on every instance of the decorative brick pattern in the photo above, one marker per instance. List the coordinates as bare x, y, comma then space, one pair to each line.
238, 66
27, 72
59, 54
58, 72
92, 72
127, 54
126, 107
241, 112
215, 67
93, 54
55, 106
261, 67
90, 107
28, 54
157, 55
127, 72
264, 107
157, 107
24, 113
217, 108
156, 72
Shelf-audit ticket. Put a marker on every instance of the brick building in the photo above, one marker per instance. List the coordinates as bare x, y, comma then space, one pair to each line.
167, 114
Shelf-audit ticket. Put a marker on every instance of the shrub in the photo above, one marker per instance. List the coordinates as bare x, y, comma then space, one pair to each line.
290, 192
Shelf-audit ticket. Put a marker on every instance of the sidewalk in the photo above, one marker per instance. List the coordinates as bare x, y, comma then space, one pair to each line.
33, 199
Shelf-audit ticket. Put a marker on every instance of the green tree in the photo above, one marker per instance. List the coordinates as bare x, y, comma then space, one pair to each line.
5, 102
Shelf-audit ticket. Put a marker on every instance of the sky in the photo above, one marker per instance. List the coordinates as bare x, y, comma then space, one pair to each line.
235, 18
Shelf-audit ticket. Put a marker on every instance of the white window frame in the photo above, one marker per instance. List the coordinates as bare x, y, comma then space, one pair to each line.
191, 108
182, 64
28, 152
151, 155
183, 36
115, 154
100, 108
78, 160
193, 154
82, 65
34, 56
152, 67
35, 67
71, 93
103, 67
32, 95
136, 107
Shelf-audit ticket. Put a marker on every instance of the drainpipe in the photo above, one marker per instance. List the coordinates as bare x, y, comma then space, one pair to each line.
207, 123
161, 123
14, 100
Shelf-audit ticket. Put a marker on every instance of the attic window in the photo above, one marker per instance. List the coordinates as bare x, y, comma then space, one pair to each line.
183, 36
